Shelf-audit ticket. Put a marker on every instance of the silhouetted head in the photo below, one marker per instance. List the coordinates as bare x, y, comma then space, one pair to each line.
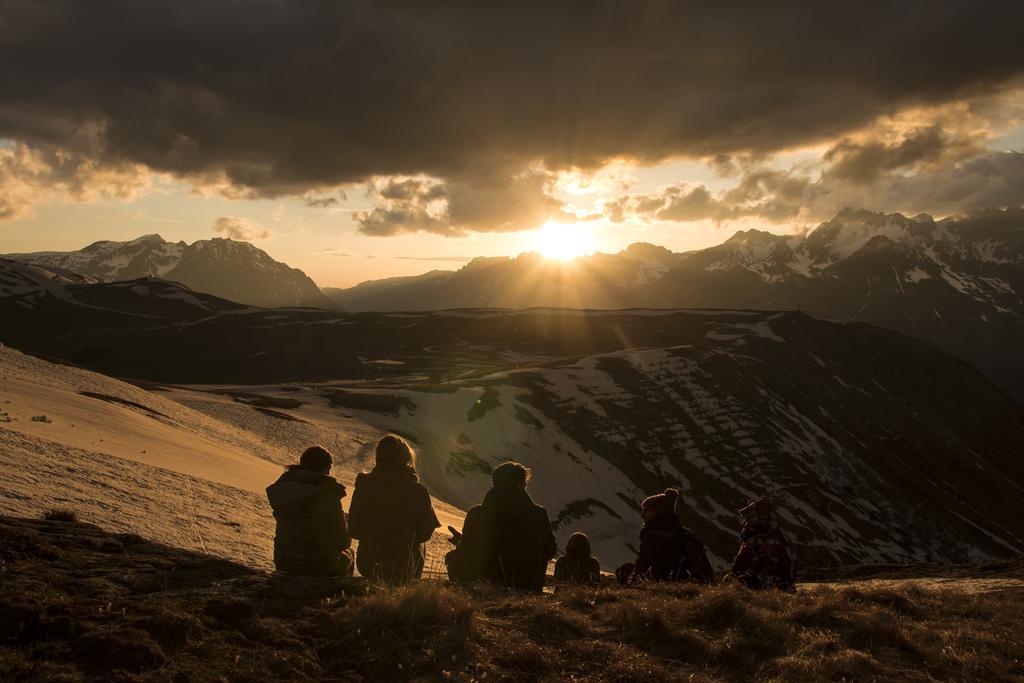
759, 510
578, 544
660, 505
510, 475
394, 453
316, 459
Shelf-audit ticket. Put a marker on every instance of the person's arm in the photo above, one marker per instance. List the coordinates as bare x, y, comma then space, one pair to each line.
560, 569
334, 521
697, 561
787, 571
744, 560
550, 544
460, 559
595, 570
644, 557
356, 516
426, 518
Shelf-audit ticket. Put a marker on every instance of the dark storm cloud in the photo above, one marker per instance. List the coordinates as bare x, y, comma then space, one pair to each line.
983, 180
281, 98
485, 203
866, 161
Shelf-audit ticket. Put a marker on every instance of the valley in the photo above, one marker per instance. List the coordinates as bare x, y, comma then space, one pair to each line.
849, 427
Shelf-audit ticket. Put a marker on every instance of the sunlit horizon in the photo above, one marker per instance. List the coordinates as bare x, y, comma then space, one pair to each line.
562, 241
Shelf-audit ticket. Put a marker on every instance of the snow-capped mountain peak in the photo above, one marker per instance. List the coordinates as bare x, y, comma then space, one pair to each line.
238, 271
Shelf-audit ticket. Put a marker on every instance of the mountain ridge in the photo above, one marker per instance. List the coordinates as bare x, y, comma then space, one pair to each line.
957, 282
226, 268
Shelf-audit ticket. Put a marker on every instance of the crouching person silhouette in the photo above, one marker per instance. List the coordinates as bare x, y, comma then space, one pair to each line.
577, 566
391, 515
766, 558
312, 537
668, 550
507, 539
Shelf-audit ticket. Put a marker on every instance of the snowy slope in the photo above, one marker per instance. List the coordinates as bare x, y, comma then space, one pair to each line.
879, 447
136, 460
602, 433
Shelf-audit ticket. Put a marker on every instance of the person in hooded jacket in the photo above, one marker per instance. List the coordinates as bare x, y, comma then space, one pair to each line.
668, 551
577, 566
312, 537
507, 539
391, 515
766, 558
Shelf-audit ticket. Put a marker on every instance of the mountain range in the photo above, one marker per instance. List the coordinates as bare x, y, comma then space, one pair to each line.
850, 426
956, 282
224, 268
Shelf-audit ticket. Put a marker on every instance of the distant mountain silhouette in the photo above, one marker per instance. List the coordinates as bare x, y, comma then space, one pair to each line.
958, 282
225, 268
49, 300
530, 280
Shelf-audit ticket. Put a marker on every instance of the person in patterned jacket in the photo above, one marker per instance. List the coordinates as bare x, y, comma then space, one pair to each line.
766, 558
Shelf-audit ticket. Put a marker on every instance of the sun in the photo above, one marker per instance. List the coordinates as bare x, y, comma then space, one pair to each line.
562, 241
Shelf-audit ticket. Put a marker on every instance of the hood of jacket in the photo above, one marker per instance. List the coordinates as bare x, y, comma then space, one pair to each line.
293, 491
578, 545
508, 502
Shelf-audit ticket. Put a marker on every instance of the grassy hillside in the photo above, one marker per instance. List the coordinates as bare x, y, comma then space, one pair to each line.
79, 603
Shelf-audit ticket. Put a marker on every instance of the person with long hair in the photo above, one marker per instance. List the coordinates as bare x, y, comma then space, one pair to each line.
391, 515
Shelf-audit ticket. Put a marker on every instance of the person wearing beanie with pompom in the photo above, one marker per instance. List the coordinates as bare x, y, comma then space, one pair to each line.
668, 551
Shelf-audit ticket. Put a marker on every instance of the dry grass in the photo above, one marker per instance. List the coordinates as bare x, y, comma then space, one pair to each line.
70, 607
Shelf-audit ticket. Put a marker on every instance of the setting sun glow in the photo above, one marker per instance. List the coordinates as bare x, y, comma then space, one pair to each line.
562, 241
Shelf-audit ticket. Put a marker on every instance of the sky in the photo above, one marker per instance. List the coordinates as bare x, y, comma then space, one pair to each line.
365, 140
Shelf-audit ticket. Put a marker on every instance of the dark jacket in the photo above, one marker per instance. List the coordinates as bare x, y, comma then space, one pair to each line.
311, 530
766, 558
507, 539
670, 552
577, 566
391, 515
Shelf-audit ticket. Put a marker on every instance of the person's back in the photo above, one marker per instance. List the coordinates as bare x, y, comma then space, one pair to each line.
659, 553
577, 566
668, 551
507, 538
391, 515
311, 536
766, 558
694, 564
